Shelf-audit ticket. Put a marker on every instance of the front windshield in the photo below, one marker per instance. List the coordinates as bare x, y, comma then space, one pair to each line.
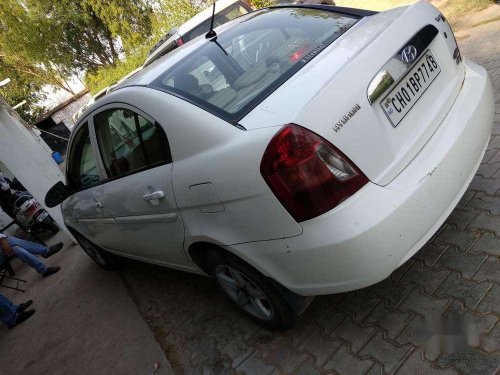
249, 61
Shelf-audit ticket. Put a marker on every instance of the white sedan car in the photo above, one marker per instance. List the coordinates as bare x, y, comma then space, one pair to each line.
304, 150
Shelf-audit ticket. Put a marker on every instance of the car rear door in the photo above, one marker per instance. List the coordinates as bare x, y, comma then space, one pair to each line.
138, 193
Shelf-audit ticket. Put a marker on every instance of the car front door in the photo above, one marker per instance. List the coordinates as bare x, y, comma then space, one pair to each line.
138, 193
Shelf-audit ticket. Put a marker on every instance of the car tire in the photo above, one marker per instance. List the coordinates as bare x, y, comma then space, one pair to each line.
249, 290
101, 257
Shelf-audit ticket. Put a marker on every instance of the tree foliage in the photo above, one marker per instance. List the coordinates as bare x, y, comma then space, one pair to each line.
45, 42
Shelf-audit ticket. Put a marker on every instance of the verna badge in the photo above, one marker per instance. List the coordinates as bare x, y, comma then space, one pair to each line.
344, 120
409, 54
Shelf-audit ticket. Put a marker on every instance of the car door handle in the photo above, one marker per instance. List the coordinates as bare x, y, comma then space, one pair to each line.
97, 205
154, 195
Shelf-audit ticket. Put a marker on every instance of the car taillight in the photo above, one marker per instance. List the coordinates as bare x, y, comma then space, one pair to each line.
179, 42
308, 174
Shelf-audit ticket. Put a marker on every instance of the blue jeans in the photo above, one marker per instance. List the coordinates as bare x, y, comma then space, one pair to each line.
8, 311
26, 251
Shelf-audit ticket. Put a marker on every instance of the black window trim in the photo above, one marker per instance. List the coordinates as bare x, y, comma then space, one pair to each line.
83, 125
138, 112
89, 121
235, 118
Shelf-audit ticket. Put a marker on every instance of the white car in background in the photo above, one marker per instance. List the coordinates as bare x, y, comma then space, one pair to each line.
305, 150
225, 11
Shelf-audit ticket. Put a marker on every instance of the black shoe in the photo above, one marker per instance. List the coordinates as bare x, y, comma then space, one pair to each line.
53, 250
25, 315
23, 306
50, 271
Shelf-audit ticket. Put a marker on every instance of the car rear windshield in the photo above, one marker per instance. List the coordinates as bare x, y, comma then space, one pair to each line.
230, 75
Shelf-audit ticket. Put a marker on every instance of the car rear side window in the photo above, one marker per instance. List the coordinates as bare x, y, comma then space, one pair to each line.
128, 142
234, 72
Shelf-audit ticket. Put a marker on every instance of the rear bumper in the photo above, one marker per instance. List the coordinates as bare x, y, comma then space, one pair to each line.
366, 238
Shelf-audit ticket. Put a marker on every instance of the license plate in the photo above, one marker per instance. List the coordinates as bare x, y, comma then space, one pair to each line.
406, 94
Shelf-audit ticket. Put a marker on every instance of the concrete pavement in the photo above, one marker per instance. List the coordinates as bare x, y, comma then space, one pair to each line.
86, 323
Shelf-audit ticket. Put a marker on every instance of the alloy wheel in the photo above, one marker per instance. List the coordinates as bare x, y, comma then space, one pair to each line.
244, 292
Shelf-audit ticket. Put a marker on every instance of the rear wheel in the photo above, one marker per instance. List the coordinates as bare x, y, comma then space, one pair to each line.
101, 257
250, 291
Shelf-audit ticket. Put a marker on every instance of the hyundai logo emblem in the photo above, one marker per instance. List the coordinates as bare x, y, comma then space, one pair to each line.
409, 54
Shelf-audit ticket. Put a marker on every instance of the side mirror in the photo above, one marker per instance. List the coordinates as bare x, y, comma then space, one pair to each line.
56, 195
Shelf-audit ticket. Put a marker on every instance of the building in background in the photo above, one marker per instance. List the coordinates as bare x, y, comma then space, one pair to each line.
56, 124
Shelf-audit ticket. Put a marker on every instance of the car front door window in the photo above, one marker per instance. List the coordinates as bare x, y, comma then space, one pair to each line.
83, 170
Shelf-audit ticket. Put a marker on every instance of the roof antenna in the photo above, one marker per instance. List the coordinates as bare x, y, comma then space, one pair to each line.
211, 33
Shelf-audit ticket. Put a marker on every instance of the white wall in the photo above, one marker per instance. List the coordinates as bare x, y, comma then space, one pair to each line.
28, 157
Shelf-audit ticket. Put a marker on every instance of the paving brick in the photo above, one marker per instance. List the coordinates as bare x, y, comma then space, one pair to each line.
485, 203
237, 351
398, 273
491, 156
265, 341
454, 236
488, 170
359, 305
385, 352
426, 277
320, 347
245, 327
486, 221
466, 264
461, 218
430, 253
469, 194
487, 244
413, 332
301, 331
343, 363
489, 270
492, 339
391, 321
494, 142
488, 185
286, 357
467, 291
491, 302
391, 291
254, 365
354, 334
324, 314
473, 362
417, 365
308, 368
376, 369
478, 323
424, 304
219, 366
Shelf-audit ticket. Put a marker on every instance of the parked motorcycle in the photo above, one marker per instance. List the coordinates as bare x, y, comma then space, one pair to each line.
30, 214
